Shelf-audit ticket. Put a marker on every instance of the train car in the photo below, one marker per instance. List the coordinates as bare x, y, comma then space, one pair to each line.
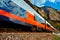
18, 13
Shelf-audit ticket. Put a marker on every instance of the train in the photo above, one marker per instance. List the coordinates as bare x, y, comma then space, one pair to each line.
21, 13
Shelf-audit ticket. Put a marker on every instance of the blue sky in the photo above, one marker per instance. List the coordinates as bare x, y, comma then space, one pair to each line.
50, 3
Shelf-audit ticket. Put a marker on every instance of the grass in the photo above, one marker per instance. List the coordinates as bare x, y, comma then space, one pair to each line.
56, 37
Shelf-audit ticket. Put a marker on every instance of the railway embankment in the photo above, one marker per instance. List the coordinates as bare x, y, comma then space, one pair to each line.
25, 36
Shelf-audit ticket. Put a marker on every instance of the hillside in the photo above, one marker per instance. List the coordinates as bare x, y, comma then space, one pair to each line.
50, 14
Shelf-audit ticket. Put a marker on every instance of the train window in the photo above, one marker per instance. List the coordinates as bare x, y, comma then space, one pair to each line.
18, 22
36, 18
13, 8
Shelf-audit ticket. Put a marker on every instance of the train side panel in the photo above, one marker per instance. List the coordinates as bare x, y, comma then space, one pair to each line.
15, 13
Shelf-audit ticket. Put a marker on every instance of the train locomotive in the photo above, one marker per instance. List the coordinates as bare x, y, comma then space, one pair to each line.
12, 12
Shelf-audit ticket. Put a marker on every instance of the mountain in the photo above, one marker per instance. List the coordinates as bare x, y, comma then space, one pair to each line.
50, 14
